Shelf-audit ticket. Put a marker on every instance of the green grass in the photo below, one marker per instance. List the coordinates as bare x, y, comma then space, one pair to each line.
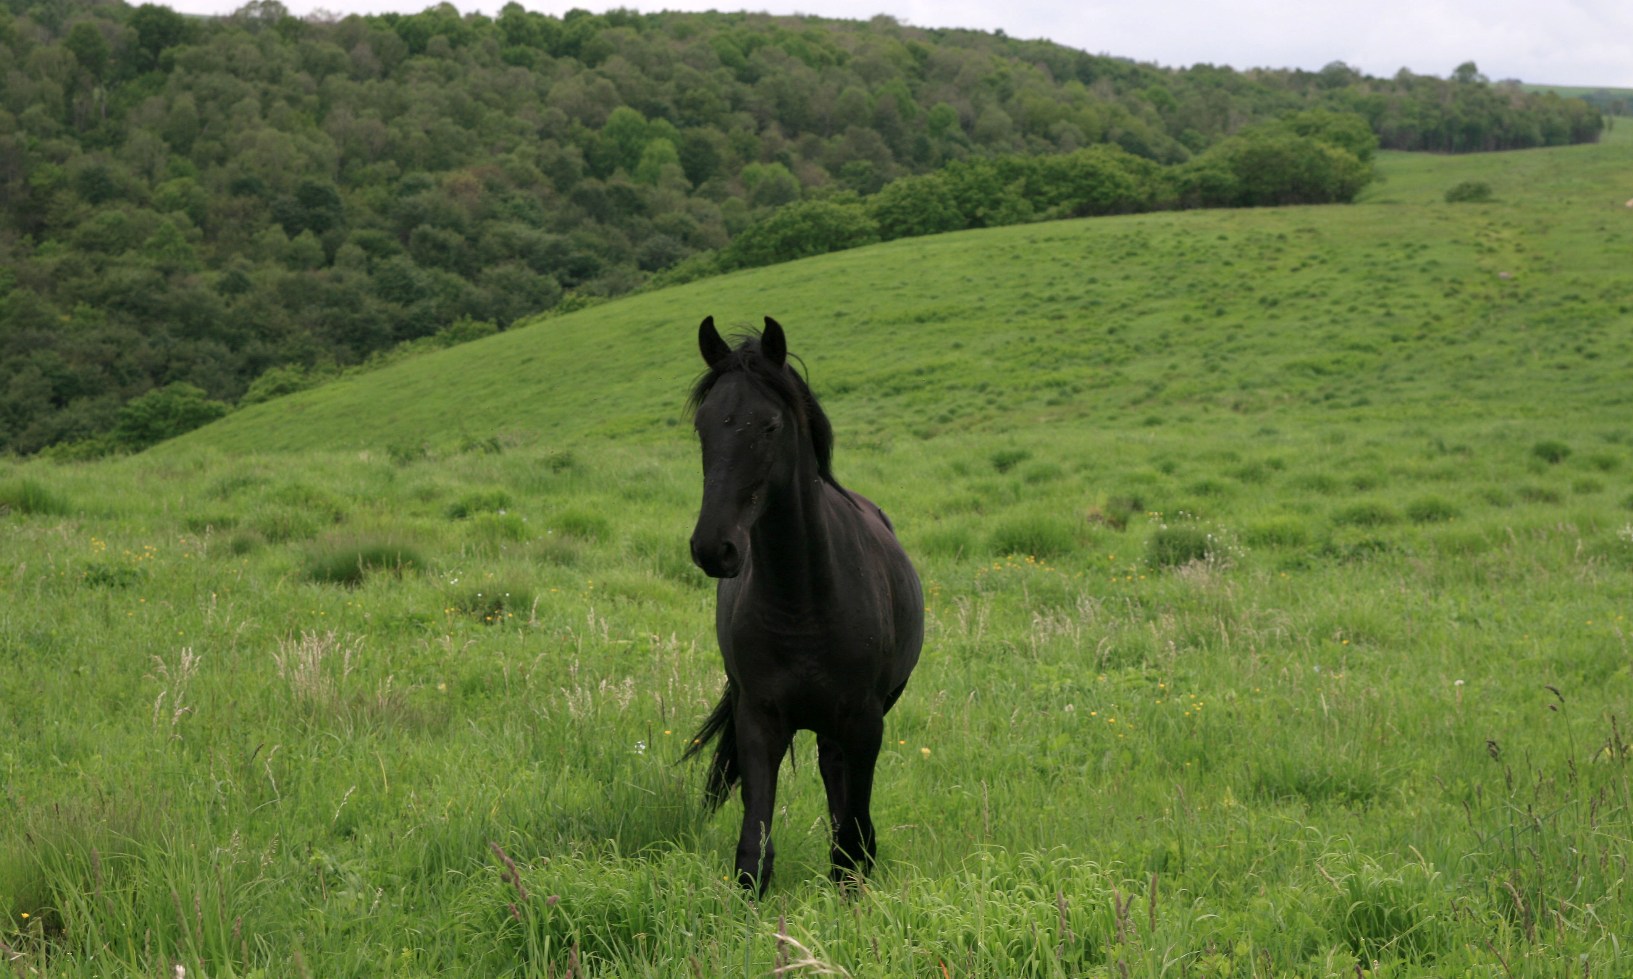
1262, 638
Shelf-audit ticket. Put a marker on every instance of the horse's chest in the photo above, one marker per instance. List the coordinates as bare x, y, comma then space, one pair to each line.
791, 658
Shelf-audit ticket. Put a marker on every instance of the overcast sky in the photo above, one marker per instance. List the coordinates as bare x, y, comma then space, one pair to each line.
1560, 42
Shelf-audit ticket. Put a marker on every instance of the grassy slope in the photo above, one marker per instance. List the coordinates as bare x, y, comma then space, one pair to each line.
1399, 430
1245, 311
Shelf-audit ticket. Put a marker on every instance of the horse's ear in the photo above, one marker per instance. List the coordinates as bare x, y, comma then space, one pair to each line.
708, 340
773, 343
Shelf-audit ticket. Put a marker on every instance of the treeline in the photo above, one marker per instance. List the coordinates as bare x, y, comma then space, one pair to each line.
188, 205
1311, 157
1465, 114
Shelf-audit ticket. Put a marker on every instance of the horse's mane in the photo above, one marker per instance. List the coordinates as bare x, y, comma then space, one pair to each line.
781, 382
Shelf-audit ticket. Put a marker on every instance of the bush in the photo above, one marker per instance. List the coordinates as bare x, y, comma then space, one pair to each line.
276, 382
164, 413
1276, 168
800, 231
1469, 192
913, 206
464, 330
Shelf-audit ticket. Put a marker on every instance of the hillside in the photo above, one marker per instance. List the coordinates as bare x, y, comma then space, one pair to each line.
1277, 567
1403, 306
225, 208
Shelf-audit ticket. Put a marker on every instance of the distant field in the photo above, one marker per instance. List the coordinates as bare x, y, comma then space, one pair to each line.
1579, 91
1279, 566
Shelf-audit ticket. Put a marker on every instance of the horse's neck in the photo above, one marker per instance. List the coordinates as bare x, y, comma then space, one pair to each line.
792, 542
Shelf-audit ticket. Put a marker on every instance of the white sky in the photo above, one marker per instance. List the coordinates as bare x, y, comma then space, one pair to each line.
1560, 42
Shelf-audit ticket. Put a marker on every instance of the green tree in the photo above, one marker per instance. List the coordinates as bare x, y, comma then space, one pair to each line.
164, 413
158, 29
89, 48
770, 184
803, 229
915, 206
656, 160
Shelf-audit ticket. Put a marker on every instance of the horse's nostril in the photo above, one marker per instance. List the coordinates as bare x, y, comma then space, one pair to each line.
717, 558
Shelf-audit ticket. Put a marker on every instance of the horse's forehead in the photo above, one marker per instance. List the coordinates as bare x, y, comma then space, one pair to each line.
737, 396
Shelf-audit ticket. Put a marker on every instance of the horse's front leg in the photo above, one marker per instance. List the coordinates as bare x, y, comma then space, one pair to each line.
854, 843
761, 744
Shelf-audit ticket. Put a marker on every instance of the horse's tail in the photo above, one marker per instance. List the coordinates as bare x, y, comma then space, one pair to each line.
723, 771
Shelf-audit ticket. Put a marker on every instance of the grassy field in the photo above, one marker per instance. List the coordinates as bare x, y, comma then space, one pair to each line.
1279, 565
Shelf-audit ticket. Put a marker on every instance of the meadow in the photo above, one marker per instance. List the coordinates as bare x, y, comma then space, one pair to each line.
1278, 566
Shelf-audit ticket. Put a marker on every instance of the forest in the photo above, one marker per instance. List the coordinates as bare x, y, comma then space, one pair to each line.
197, 213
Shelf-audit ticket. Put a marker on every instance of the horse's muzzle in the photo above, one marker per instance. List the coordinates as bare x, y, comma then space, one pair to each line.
719, 559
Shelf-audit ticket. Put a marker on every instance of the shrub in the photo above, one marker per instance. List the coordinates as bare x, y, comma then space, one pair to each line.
912, 206
278, 381
801, 230
464, 330
1469, 192
164, 413
1274, 167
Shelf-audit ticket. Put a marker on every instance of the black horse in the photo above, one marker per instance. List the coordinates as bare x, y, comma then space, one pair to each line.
819, 612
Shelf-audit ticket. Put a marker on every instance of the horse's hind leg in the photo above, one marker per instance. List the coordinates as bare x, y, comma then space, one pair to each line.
854, 843
760, 748
831, 761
